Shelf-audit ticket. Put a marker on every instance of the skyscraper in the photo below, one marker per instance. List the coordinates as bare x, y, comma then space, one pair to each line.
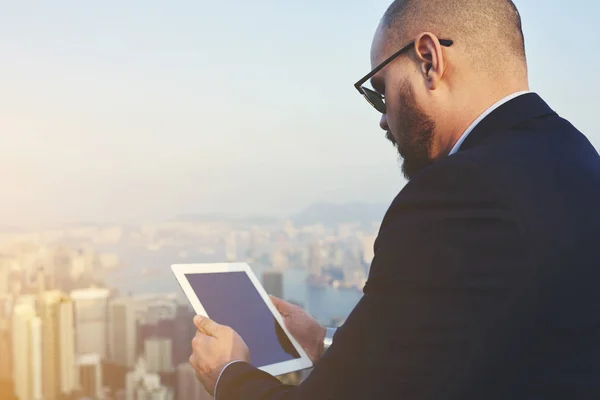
91, 315
49, 315
69, 377
273, 283
188, 387
122, 332
6, 373
90, 375
4, 277
140, 384
184, 331
27, 351
368, 242
158, 353
231, 247
36, 358
58, 345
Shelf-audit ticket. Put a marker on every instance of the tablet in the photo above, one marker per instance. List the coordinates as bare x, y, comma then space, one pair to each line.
230, 294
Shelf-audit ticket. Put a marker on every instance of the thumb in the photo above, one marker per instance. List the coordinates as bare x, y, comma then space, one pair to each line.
280, 305
206, 325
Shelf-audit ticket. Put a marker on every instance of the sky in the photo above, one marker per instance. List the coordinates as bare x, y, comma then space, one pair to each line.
124, 111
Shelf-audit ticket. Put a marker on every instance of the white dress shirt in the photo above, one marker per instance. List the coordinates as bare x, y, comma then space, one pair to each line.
487, 112
457, 145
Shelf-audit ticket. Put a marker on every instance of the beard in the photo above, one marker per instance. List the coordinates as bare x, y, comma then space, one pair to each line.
415, 134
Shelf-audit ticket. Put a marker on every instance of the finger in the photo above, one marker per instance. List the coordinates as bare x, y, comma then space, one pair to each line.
206, 325
280, 305
275, 300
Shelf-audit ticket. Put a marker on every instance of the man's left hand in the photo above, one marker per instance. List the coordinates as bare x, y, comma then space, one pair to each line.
213, 347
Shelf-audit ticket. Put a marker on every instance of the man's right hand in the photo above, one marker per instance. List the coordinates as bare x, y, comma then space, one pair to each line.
302, 327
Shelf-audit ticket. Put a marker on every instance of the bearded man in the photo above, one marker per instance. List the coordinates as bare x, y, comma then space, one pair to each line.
484, 283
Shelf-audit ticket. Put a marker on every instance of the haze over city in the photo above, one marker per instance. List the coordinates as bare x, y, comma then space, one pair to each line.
146, 110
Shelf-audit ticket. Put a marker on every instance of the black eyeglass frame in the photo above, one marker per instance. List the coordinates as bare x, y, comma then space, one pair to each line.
377, 99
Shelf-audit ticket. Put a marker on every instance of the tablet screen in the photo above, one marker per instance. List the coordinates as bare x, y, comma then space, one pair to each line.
231, 299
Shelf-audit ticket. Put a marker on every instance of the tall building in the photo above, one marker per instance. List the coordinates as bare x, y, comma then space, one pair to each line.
90, 375
158, 353
36, 358
6, 373
142, 385
155, 308
231, 247
273, 283
188, 387
68, 376
4, 277
27, 351
91, 320
58, 345
184, 331
27, 300
156, 318
279, 260
315, 258
122, 332
48, 311
6, 305
368, 243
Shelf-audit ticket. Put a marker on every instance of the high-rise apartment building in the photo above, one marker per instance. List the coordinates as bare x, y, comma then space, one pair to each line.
4, 277
91, 321
231, 247
143, 385
58, 345
158, 353
183, 333
273, 283
122, 331
6, 373
188, 387
69, 376
368, 243
155, 308
27, 350
90, 375
48, 312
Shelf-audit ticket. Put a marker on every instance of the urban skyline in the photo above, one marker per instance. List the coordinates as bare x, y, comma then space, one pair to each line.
77, 325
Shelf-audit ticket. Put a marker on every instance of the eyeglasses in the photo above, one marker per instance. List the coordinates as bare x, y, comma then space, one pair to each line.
375, 99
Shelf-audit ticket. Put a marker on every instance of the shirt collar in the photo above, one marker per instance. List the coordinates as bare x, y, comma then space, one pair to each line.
497, 104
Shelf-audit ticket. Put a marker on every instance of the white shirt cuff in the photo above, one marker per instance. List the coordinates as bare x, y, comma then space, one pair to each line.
223, 370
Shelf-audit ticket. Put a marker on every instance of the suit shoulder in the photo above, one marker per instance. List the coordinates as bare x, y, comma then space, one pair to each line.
453, 183
452, 176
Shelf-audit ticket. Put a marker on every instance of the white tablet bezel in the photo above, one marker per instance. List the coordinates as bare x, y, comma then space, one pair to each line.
180, 270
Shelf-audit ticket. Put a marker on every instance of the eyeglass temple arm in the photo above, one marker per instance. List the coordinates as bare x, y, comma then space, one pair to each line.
357, 85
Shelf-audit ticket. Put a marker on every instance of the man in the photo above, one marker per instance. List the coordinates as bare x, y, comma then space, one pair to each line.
484, 283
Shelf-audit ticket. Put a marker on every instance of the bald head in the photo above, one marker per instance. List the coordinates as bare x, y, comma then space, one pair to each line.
430, 90
488, 32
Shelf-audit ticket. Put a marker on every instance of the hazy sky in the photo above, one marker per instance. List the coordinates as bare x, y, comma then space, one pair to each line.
116, 110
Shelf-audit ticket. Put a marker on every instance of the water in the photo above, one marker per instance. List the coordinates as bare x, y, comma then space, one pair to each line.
322, 303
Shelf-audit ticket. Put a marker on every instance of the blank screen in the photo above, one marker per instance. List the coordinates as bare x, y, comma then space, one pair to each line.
232, 299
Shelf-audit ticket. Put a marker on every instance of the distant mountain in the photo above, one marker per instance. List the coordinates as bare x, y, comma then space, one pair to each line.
216, 217
333, 214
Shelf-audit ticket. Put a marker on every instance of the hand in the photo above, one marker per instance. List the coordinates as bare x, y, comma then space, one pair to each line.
213, 347
302, 327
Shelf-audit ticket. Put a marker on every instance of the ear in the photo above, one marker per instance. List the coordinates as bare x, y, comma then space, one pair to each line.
430, 57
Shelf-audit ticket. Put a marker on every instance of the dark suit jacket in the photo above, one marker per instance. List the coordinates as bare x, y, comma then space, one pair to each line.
485, 282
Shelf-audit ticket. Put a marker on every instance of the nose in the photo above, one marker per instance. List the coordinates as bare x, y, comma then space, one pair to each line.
383, 123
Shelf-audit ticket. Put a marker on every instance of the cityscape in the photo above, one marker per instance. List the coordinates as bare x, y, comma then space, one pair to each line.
93, 312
